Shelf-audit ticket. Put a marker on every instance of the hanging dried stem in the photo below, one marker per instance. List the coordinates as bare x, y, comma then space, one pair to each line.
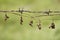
39, 25
6, 17
21, 20
52, 25
31, 23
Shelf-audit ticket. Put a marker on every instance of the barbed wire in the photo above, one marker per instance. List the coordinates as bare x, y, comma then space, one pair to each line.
22, 11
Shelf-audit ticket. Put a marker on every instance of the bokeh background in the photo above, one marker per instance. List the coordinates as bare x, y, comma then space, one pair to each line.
12, 30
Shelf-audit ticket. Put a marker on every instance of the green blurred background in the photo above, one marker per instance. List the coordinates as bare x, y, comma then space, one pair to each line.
12, 30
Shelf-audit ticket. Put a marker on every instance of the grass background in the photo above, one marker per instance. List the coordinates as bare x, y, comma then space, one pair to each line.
12, 30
